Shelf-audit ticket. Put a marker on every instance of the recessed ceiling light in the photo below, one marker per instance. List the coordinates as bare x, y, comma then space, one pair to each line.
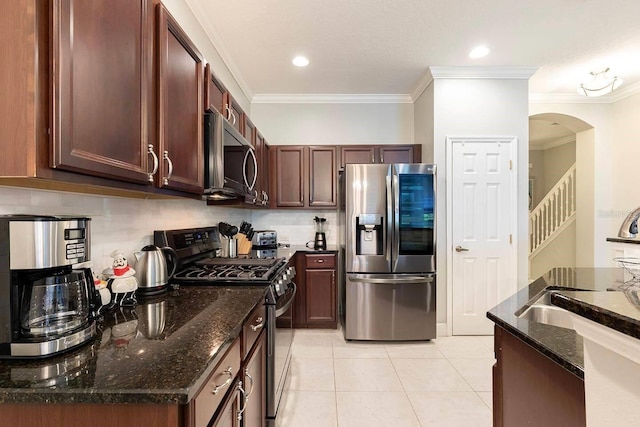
479, 52
300, 61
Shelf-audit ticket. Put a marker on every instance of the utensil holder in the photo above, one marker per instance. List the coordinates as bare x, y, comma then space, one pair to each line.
244, 244
229, 247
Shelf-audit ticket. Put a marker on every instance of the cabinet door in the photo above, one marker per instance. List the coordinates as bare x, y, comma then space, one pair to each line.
228, 415
233, 112
320, 286
255, 385
181, 72
395, 154
262, 184
323, 176
357, 154
213, 91
102, 88
289, 176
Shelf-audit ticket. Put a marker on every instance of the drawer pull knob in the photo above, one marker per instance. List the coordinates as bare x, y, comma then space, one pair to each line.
319, 260
217, 388
259, 325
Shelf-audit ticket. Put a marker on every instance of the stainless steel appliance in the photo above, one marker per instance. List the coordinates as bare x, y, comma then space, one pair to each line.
48, 303
198, 265
151, 268
265, 239
231, 167
320, 240
389, 243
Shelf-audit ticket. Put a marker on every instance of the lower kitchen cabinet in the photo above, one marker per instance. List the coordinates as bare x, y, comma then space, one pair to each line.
315, 305
254, 384
531, 389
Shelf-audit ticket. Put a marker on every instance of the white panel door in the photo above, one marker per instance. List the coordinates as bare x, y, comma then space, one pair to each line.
482, 211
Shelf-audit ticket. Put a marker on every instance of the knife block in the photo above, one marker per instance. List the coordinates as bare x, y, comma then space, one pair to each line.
244, 244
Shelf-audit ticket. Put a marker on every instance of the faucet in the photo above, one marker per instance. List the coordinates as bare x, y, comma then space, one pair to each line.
629, 227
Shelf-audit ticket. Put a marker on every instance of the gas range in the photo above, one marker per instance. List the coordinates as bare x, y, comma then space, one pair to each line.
198, 264
236, 270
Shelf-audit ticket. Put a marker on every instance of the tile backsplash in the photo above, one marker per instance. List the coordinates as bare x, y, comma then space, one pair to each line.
128, 224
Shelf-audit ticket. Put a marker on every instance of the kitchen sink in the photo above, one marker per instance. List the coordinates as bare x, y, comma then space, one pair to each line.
542, 311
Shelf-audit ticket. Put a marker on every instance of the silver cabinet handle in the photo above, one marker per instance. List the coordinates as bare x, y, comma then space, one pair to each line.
156, 163
165, 156
229, 113
319, 261
373, 159
461, 249
260, 324
244, 401
217, 388
248, 375
265, 197
381, 158
234, 117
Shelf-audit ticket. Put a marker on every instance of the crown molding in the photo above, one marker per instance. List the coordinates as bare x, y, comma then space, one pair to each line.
481, 72
212, 34
554, 143
421, 86
276, 98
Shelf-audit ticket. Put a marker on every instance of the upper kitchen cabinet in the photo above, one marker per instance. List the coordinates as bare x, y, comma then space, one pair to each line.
102, 59
233, 112
262, 154
380, 154
304, 176
214, 92
180, 108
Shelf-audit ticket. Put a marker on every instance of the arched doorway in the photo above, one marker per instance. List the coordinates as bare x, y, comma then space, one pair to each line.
561, 177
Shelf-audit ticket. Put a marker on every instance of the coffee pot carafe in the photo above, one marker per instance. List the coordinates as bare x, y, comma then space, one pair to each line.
151, 268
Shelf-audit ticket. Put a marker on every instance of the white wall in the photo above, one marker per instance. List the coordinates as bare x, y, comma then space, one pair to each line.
334, 124
557, 161
424, 112
594, 177
480, 107
118, 223
625, 160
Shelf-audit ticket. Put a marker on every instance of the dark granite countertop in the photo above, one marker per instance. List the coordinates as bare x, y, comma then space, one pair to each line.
160, 352
564, 346
617, 310
621, 240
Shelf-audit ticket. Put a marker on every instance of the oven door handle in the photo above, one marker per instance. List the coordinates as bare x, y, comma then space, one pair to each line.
280, 311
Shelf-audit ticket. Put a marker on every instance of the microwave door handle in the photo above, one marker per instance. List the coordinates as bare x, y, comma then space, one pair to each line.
244, 170
255, 169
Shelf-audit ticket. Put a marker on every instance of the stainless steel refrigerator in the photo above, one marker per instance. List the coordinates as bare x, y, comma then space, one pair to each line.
388, 212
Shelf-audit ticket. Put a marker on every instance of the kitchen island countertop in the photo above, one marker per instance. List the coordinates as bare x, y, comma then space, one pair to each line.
585, 291
161, 351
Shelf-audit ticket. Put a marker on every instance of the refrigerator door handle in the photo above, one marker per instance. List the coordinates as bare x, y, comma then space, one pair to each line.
409, 279
389, 235
395, 252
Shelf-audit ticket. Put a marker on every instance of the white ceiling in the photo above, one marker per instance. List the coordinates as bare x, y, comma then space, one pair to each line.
386, 46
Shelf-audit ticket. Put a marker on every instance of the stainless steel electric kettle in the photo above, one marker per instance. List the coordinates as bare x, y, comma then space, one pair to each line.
151, 268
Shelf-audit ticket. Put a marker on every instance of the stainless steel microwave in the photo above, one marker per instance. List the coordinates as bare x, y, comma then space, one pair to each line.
231, 167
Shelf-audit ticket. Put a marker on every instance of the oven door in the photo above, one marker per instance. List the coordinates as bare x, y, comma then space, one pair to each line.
279, 340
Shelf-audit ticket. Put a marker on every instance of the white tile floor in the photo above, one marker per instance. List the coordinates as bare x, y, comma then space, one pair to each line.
334, 383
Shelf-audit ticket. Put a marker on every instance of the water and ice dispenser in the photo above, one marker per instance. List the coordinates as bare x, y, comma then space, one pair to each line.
369, 234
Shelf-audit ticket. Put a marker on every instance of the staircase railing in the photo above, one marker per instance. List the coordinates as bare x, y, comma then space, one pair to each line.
554, 210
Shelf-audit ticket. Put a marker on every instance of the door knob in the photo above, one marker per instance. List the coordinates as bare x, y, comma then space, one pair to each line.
461, 249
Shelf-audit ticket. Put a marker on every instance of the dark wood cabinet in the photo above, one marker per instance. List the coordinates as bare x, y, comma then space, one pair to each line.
254, 384
180, 108
214, 91
531, 389
304, 176
102, 88
315, 305
369, 154
288, 176
323, 176
228, 415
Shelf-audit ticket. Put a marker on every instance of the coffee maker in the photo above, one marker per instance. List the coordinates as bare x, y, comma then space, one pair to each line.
48, 302
320, 241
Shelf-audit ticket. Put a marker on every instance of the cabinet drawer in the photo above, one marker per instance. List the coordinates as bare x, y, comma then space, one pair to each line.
251, 330
217, 386
320, 261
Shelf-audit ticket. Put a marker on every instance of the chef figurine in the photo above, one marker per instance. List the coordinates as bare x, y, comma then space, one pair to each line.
103, 292
122, 282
